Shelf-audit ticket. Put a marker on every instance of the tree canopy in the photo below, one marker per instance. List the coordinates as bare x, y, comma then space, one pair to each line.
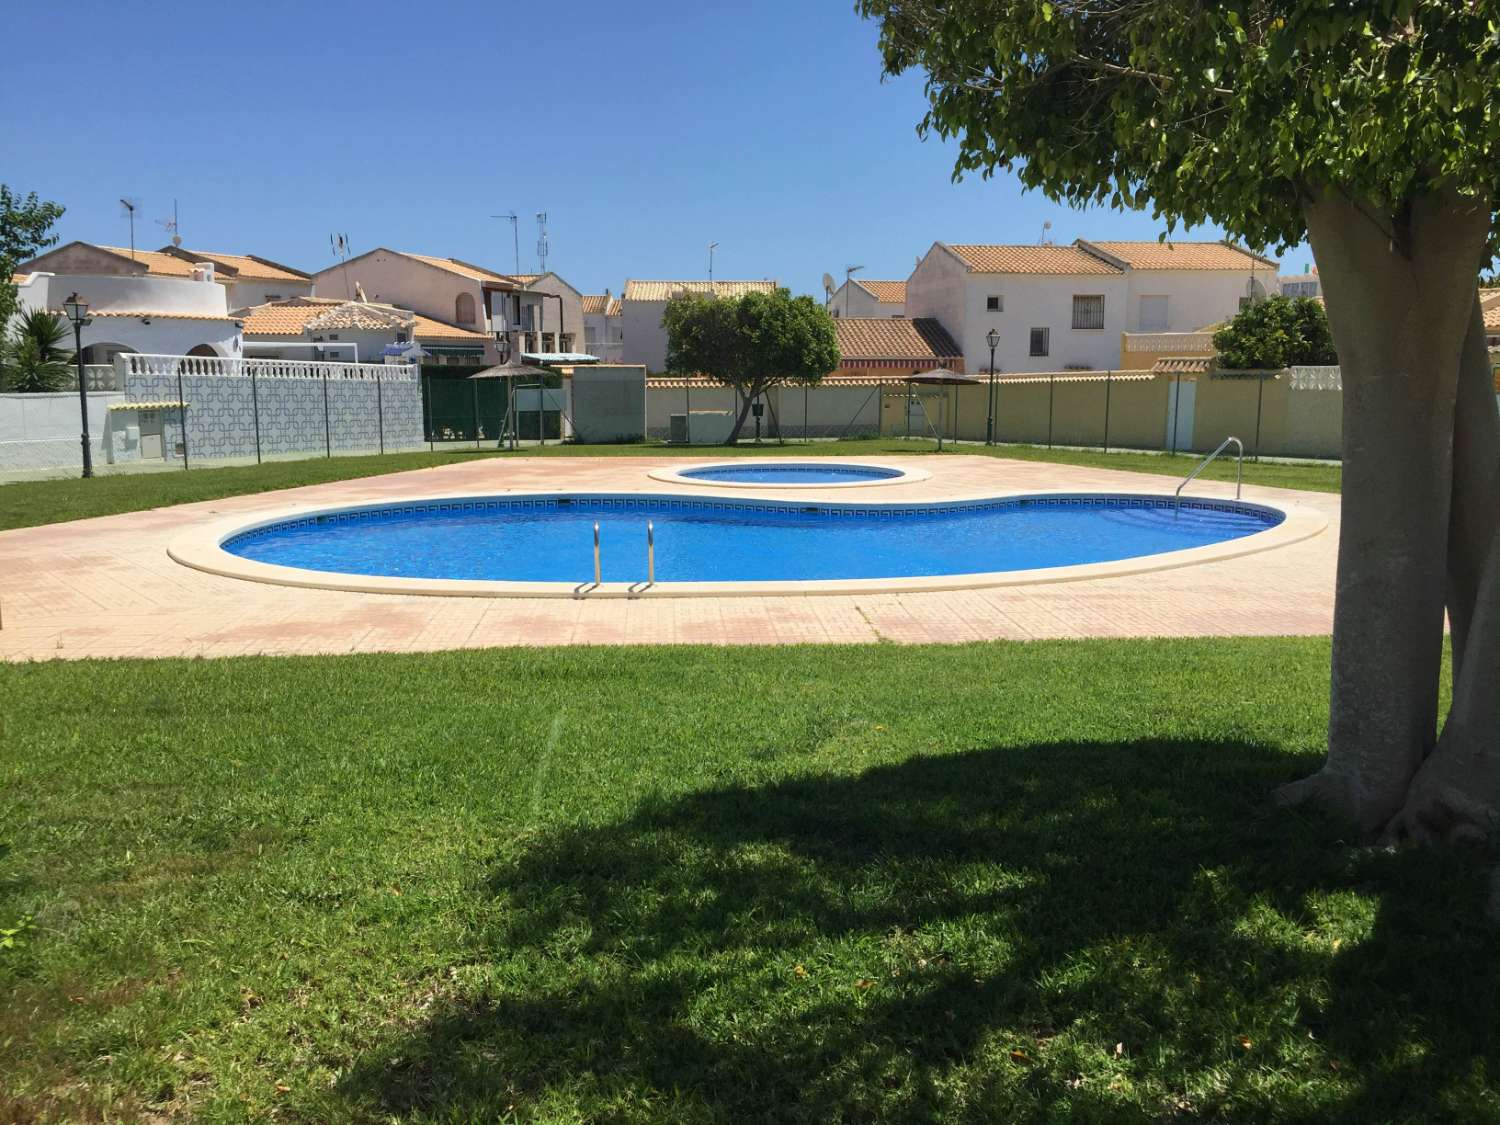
1275, 333
25, 231
752, 343
1225, 111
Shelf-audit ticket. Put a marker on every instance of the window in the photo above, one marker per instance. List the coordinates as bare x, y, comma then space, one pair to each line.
1040, 339
1088, 311
994, 303
1153, 316
401, 337
463, 309
271, 297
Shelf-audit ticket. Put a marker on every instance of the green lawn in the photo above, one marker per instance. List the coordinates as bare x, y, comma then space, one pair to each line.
983, 883
29, 503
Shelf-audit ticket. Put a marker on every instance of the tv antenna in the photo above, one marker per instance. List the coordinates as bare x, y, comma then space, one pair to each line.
515, 234
339, 244
171, 227
1046, 239
712, 246
541, 240
849, 272
129, 205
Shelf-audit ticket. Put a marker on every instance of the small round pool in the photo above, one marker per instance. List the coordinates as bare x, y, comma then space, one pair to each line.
821, 473
549, 539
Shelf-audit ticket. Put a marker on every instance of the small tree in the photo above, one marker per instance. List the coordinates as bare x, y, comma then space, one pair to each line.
25, 231
36, 358
1275, 333
752, 343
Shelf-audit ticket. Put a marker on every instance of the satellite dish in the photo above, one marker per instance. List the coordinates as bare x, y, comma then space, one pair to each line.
828, 283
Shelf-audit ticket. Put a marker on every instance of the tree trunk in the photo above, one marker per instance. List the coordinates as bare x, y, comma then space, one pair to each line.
1476, 482
1398, 299
739, 423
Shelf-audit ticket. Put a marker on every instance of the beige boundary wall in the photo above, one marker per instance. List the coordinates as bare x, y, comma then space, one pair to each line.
1299, 412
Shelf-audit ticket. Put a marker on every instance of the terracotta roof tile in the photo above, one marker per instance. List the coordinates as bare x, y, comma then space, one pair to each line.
154, 314
525, 278
1183, 365
426, 328
463, 269
1181, 255
663, 290
1489, 304
285, 318
291, 316
886, 292
595, 304
616, 307
246, 267
163, 265
985, 258
874, 337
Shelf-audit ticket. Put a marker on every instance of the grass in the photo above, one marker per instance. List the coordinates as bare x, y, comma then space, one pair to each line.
31, 503
975, 883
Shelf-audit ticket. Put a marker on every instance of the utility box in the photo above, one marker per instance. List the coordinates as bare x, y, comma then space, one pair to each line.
700, 427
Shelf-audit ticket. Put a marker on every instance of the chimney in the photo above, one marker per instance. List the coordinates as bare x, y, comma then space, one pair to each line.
203, 271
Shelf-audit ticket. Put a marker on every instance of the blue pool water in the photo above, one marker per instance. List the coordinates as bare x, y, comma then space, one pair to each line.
550, 539
810, 473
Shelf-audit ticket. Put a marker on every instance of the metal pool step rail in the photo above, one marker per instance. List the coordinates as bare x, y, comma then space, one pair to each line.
1239, 472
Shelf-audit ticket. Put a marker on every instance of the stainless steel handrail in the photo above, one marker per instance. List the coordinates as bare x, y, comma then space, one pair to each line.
596, 553
1239, 473
650, 554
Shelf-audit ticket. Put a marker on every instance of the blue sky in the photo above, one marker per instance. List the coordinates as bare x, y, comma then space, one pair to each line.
644, 130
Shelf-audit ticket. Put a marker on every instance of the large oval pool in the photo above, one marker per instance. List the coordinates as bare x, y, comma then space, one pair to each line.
550, 538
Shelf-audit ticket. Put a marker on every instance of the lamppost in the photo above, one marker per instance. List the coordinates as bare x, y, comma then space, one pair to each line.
78, 312
992, 338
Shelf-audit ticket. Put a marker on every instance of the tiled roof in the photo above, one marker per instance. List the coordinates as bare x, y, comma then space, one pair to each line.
1181, 255
164, 265
886, 292
663, 290
154, 314
1183, 365
19, 278
525, 278
595, 304
426, 328
616, 307
1489, 304
1030, 259
243, 266
463, 269
291, 316
285, 318
890, 337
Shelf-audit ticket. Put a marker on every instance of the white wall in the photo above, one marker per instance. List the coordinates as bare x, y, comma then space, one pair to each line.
850, 300
1195, 298
41, 431
643, 340
110, 293
243, 294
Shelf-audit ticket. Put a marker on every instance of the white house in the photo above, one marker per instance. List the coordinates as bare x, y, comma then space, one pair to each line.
865, 297
602, 332
134, 307
250, 280
644, 340
325, 328
1064, 307
1301, 284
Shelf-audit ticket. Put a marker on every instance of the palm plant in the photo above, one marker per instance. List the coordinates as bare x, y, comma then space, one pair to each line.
35, 359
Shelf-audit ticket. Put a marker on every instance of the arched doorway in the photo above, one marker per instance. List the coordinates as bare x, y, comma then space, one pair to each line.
205, 350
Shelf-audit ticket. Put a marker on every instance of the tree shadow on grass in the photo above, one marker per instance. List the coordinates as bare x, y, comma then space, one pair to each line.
1092, 932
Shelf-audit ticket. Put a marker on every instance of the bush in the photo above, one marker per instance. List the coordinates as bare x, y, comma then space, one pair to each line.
1275, 333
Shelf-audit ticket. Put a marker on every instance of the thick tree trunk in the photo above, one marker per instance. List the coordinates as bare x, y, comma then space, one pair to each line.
1398, 303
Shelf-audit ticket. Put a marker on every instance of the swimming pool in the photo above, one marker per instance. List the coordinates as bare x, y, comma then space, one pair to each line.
776, 474
544, 543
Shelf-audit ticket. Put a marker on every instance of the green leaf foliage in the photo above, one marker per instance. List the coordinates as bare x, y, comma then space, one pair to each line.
35, 357
1224, 111
752, 342
1276, 333
25, 231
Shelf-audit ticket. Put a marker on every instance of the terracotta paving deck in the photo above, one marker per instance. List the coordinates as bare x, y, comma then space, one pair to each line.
106, 587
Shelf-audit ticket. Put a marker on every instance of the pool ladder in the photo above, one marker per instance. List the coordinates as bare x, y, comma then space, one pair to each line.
1239, 472
650, 555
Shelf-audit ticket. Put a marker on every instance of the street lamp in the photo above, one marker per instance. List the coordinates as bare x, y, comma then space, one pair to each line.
78, 312
992, 338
